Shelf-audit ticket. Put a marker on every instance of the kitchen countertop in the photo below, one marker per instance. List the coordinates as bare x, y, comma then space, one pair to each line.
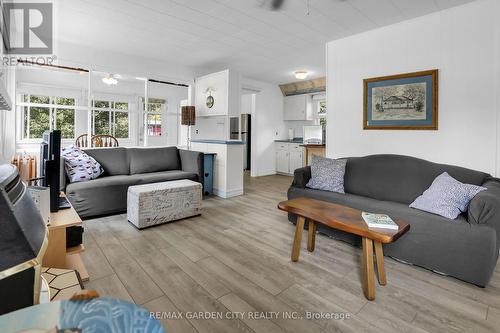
295, 140
221, 142
313, 145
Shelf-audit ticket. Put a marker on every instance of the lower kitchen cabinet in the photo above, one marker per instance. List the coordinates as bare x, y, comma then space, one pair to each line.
289, 156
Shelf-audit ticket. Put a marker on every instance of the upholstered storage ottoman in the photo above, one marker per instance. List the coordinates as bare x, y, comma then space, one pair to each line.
157, 203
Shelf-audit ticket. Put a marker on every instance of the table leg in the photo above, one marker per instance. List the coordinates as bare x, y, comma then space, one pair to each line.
299, 228
379, 254
311, 240
368, 273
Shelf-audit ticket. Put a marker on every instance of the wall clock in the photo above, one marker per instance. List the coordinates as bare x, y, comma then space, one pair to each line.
210, 101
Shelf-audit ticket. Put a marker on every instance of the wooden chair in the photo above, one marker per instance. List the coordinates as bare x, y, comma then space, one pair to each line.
99, 140
81, 141
104, 140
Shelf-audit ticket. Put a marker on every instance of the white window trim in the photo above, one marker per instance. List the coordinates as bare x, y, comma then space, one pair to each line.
53, 121
112, 114
163, 113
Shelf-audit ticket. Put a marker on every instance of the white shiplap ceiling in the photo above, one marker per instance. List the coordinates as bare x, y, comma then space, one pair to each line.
240, 34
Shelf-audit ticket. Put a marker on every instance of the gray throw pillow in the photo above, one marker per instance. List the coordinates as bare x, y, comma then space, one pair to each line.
446, 197
327, 174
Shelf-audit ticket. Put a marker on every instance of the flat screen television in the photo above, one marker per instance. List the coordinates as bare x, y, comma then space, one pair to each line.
50, 168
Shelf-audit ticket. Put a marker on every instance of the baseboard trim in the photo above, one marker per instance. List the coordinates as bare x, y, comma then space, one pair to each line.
228, 194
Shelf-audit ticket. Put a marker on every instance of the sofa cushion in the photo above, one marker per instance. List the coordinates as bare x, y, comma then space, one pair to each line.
107, 195
446, 197
145, 160
327, 174
399, 178
104, 195
113, 160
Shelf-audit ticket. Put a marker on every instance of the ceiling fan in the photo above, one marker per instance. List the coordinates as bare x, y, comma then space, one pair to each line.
272, 4
276, 5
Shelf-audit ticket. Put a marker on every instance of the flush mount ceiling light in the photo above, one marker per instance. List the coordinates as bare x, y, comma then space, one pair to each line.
301, 75
109, 80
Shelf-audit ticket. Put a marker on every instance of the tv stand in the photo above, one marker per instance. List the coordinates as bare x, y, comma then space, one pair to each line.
57, 255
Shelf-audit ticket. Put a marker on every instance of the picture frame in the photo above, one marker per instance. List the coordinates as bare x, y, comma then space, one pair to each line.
401, 102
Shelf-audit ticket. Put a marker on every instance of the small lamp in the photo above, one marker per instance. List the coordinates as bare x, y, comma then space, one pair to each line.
188, 117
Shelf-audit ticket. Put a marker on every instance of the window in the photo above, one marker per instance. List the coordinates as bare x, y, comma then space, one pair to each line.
322, 112
109, 117
41, 113
154, 116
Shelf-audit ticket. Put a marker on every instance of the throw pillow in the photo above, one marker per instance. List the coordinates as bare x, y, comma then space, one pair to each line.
327, 174
446, 197
80, 166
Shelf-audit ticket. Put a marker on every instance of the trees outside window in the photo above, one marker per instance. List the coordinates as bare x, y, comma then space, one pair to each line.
112, 118
43, 113
322, 112
154, 116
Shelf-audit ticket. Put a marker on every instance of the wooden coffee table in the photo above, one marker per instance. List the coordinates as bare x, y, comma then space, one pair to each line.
349, 220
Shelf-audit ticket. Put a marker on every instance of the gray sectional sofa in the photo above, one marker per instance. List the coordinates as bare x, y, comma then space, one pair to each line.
465, 248
124, 167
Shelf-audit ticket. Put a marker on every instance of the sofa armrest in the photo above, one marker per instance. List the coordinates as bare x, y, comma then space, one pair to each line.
192, 161
301, 177
484, 208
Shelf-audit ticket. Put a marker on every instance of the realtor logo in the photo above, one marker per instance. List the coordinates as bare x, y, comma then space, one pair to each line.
27, 28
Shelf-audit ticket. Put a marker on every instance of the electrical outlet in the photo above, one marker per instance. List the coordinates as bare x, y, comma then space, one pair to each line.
197, 132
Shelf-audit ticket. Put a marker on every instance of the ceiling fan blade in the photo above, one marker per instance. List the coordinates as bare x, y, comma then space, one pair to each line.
276, 4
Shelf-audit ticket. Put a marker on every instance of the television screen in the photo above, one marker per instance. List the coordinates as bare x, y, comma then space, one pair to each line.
50, 165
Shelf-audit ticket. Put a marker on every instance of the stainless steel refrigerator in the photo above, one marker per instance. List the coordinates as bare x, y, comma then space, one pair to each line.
246, 136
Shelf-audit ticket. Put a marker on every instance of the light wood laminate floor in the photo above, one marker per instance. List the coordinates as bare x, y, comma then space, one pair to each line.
236, 258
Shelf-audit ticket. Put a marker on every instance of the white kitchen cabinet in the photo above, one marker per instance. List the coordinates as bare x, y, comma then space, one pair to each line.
298, 107
282, 161
289, 156
296, 161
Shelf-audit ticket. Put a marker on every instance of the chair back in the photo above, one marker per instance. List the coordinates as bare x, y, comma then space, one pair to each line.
99, 140
104, 140
81, 141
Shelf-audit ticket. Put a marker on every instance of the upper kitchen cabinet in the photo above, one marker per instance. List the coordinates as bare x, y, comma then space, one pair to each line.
218, 94
298, 107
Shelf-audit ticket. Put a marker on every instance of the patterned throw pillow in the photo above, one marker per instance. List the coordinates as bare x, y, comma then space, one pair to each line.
80, 166
446, 197
327, 174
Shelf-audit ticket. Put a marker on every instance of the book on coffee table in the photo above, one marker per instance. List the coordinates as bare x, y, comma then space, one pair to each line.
379, 221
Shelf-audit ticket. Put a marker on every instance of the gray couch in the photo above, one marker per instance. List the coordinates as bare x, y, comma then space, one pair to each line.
465, 248
124, 167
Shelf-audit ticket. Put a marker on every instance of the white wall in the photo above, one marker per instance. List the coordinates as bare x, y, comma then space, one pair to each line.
267, 125
463, 43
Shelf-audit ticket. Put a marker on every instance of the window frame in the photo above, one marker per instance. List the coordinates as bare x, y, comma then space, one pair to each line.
321, 116
112, 110
162, 112
52, 106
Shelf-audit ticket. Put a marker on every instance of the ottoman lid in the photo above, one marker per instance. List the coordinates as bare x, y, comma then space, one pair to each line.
171, 186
